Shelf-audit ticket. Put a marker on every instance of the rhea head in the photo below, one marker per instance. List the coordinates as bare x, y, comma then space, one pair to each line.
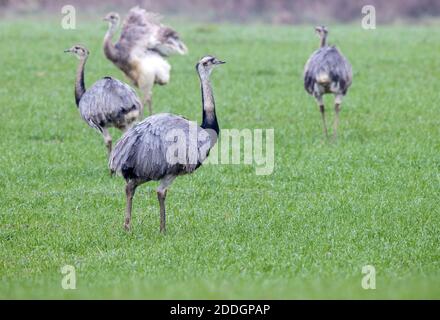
112, 18
321, 31
206, 64
79, 51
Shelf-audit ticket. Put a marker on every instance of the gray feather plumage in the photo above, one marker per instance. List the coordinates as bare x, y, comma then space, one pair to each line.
143, 30
327, 71
109, 103
142, 152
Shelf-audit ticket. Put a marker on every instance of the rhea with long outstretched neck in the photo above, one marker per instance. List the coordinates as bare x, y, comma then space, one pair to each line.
107, 103
143, 153
142, 49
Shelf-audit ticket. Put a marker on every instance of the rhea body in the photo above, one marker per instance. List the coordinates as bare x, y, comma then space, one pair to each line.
142, 49
107, 103
164, 146
327, 71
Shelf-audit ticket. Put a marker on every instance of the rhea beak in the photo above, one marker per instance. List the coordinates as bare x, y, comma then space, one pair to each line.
67, 50
219, 62
105, 19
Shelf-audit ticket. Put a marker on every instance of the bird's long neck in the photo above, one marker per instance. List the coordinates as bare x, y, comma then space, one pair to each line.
109, 48
80, 87
323, 41
209, 120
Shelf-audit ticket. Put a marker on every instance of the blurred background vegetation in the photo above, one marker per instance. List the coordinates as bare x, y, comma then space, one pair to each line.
249, 11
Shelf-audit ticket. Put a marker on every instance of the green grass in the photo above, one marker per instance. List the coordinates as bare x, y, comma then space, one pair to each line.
303, 232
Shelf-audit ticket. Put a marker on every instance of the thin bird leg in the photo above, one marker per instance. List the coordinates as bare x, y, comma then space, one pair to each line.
161, 195
130, 189
107, 140
146, 83
336, 123
338, 101
149, 102
322, 110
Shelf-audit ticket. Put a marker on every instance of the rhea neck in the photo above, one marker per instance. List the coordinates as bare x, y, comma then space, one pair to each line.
323, 37
80, 87
109, 48
209, 120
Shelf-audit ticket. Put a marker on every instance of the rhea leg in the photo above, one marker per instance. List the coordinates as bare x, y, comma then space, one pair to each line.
338, 101
161, 195
130, 189
148, 101
322, 110
146, 83
336, 124
107, 140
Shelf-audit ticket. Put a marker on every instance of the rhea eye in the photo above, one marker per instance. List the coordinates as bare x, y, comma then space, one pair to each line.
205, 63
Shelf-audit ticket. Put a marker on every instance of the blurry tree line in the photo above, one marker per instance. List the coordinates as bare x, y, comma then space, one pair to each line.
272, 11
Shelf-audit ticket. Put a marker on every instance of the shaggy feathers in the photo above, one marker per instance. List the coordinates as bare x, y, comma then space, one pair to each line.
142, 152
143, 30
109, 102
327, 71
141, 50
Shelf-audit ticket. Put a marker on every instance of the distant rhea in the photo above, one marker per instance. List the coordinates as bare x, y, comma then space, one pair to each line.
142, 48
327, 71
108, 103
164, 146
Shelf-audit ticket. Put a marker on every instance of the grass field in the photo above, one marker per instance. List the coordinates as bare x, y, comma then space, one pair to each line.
305, 231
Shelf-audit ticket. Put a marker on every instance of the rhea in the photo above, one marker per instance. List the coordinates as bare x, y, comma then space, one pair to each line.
108, 103
164, 146
142, 49
327, 71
